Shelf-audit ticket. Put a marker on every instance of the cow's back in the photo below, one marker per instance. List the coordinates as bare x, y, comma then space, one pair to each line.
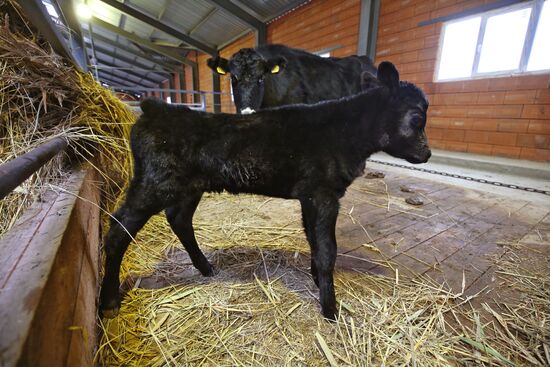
309, 78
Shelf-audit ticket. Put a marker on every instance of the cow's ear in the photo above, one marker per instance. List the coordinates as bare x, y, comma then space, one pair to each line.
275, 65
388, 75
218, 64
369, 81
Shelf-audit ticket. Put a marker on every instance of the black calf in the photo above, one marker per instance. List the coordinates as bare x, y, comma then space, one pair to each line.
179, 154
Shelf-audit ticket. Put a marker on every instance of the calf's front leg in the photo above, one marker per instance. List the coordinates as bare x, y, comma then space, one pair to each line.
324, 209
308, 221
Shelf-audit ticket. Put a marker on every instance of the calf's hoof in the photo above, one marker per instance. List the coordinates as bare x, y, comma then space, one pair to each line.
109, 306
331, 314
110, 313
330, 311
208, 270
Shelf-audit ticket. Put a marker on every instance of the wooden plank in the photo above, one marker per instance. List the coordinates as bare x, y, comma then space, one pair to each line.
84, 329
472, 258
417, 231
419, 247
49, 337
48, 299
515, 228
24, 280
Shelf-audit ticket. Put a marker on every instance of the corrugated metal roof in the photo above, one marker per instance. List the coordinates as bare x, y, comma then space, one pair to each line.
267, 10
202, 20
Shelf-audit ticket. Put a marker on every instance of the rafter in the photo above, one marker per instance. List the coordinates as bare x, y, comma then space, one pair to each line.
126, 59
147, 19
143, 42
140, 76
166, 66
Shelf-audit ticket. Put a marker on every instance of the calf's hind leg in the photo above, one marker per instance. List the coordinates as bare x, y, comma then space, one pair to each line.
127, 221
180, 218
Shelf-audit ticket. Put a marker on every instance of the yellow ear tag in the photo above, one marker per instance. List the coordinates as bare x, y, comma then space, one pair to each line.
220, 70
275, 69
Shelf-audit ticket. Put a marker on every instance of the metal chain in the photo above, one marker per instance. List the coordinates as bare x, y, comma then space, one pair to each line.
468, 178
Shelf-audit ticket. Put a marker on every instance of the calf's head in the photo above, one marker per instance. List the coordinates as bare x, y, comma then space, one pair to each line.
248, 71
402, 119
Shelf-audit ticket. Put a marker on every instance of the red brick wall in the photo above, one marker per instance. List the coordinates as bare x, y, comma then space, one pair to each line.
319, 25
177, 85
505, 116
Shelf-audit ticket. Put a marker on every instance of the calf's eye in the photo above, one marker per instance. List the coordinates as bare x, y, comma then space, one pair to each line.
416, 121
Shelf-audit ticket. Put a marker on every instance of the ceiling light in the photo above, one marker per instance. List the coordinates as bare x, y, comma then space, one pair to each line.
83, 11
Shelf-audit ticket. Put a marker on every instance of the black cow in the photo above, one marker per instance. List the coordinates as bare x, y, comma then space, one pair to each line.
277, 75
179, 154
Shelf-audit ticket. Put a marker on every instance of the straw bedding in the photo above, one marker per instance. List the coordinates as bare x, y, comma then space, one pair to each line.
261, 308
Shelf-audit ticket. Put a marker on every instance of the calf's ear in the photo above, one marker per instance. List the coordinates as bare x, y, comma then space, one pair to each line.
388, 75
218, 64
275, 65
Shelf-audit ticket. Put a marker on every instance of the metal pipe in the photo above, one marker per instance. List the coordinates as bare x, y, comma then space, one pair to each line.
94, 56
145, 89
14, 172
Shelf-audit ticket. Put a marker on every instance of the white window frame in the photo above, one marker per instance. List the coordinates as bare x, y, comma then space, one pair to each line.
536, 8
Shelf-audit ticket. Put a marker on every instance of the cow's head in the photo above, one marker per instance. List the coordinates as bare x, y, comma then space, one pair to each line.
403, 118
248, 71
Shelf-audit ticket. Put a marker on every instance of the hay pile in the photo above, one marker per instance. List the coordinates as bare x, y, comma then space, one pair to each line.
41, 97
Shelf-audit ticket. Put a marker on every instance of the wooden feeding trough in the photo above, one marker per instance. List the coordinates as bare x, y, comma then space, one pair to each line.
49, 269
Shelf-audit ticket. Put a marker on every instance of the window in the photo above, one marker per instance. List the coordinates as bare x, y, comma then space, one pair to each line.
325, 54
540, 55
506, 41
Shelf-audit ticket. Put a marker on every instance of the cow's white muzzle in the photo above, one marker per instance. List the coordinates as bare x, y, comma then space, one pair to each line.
247, 111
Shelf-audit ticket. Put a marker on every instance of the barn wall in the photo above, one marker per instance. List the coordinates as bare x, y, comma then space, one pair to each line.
320, 25
178, 84
504, 116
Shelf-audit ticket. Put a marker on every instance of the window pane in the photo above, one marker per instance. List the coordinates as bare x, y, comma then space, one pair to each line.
459, 48
503, 41
540, 53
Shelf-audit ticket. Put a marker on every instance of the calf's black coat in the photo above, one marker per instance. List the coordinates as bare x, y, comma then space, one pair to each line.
180, 154
300, 77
